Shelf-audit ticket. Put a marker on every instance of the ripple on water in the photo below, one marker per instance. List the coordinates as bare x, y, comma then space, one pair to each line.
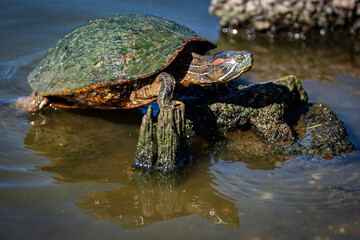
13, 74
322, 184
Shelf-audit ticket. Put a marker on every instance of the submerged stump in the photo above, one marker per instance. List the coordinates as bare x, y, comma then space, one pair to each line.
169, 148
144, 155
172, 142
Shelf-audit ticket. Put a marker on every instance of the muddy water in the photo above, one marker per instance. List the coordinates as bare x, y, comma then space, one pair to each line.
65, 174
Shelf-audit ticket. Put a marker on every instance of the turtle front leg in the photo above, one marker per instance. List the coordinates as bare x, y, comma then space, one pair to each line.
172, 146
166, 90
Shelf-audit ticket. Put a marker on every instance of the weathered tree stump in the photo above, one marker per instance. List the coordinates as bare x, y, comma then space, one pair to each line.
169, 149
145, 155
171, 137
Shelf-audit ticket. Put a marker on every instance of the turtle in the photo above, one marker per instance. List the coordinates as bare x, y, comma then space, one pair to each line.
127, 61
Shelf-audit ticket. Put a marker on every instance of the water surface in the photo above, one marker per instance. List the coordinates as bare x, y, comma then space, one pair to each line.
65, 174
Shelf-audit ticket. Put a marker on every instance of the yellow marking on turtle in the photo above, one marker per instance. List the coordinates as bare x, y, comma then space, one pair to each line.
108, 96
187, 82
315, 126
243, 68
200, 74
179, 102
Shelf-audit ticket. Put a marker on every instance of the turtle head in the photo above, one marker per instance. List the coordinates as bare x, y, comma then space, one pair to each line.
227, 66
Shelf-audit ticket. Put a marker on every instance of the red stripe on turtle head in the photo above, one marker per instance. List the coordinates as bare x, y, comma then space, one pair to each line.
218, 61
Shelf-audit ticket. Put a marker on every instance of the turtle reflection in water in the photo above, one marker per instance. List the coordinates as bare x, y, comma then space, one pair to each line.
128, 61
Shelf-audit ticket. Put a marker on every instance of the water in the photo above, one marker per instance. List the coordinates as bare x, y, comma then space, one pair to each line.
66, 174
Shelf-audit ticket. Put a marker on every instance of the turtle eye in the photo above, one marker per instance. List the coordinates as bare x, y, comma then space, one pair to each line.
239, 58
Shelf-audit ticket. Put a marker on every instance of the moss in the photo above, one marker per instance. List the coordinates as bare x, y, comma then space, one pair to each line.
276, 110
144, 155
171, 138
169, 149
329, 136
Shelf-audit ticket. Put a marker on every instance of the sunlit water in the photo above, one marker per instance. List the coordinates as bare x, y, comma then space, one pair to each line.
66, 174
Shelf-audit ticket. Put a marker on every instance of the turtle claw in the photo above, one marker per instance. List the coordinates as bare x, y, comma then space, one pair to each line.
166, 90
178, 102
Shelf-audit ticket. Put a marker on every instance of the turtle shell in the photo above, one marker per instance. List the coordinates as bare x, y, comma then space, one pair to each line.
112, 50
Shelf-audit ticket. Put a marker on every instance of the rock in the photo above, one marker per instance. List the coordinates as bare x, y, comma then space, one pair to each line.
261, 26
271, 110
305, 15
320, 132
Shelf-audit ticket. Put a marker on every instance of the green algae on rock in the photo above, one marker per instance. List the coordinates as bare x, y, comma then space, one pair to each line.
273, 110
320, 132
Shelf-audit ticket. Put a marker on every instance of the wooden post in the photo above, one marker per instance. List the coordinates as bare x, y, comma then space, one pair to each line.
144, 155
171, 138
170, 148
